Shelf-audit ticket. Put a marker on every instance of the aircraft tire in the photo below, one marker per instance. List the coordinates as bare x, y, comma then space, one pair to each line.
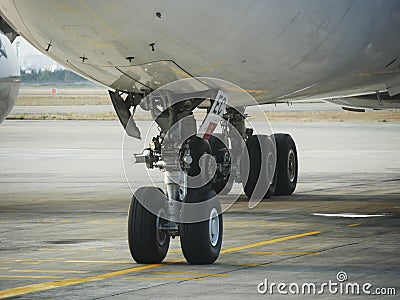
287, 164
221, 184
222, 187
201, 242
146, 243
255, 168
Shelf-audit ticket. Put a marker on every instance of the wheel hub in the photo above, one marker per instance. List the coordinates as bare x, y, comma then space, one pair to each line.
161, 234
291, 167
214, 227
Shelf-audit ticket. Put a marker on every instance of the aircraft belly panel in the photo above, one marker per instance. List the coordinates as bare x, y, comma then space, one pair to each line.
276, 50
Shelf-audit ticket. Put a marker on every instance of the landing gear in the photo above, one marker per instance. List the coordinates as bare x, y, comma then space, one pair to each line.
198, 166
189, 208
147, 243
201, 241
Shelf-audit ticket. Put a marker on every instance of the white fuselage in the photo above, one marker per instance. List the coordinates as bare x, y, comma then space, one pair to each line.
277, 50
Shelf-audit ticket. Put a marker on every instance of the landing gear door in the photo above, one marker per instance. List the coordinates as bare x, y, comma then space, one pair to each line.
214, 116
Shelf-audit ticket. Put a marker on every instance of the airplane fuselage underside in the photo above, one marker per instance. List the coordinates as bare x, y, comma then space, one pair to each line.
276, 50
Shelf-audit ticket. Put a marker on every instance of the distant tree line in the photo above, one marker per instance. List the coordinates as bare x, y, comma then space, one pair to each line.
58, 76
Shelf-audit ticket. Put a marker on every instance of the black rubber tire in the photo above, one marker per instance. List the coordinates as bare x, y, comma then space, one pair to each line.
257, 171
221, 183
272, 188
143, 236
286, 183
195, 237
198, 147
222, 186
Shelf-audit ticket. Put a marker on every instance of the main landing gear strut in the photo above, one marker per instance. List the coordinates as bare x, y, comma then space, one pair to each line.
199, 165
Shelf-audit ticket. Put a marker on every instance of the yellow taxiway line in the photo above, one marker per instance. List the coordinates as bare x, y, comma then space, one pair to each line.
29, 277
67, 282
285, 253
190, 273
282, 239
73, 281
47, 271
355, 225
99, 261
164, 278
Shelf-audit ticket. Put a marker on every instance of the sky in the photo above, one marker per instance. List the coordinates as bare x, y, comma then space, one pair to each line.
24, 48
31, 58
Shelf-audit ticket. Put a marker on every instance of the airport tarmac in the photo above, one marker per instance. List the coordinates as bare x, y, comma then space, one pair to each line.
90, 109
64, 203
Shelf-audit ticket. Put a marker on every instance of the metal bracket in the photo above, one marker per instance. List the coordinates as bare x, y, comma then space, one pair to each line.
167, 107
171, 228
380, 103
